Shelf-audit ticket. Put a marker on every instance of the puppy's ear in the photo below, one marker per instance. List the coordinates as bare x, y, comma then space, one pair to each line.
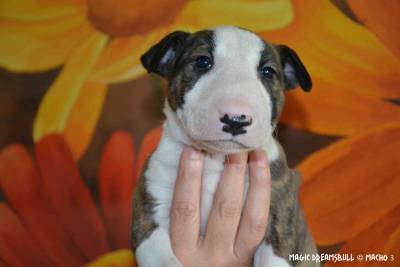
161, 57
294, 71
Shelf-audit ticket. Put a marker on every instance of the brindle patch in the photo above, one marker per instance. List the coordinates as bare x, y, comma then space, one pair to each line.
278, 168
142, 218
287, 230
186, 74
282, 226
275, 86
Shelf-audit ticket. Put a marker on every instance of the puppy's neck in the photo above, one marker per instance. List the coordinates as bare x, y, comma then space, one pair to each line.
173, 130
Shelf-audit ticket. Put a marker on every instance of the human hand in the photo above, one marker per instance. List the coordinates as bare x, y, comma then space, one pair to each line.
233, 233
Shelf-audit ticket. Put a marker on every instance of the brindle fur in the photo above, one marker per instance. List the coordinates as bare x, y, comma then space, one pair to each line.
274, 87
278, 168
185, 73
287, 230
142, 218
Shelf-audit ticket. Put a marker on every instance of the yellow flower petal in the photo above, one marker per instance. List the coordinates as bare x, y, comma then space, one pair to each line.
120, 60
381, 18
339, 51
118, 258
37, 46
254, 15
32, 10
335, 111
351, 184
58, 102
83, 118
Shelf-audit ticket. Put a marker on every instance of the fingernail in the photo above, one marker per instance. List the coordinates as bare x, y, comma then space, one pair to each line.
238, 158
259, 158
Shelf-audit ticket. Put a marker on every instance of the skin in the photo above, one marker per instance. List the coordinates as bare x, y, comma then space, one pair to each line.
233, 233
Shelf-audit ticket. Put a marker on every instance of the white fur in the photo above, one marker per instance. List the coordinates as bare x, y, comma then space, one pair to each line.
156, 251
265, 257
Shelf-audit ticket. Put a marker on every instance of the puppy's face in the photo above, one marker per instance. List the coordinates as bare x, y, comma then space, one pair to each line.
226, 86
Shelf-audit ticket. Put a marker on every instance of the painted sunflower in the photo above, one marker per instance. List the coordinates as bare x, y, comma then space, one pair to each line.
99, 42
350, 188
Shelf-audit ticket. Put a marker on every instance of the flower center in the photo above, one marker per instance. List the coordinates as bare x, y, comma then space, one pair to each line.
128, 17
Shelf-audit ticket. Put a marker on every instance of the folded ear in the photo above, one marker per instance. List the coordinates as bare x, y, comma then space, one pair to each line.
295, 72
161, 57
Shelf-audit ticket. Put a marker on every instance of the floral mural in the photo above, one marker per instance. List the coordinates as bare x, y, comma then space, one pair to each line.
75, 104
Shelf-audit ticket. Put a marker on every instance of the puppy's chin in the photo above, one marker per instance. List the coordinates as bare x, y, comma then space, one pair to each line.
222, 146
215, 143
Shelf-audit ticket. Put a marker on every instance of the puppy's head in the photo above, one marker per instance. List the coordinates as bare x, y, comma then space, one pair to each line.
226, 85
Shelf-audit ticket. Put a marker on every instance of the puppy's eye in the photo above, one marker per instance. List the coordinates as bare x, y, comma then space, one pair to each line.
204, 62
268, 72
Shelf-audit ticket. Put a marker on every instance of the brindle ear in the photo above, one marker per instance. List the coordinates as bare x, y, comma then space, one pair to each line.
161, 57
295, 72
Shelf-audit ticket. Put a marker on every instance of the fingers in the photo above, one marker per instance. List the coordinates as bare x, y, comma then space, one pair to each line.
229, 228
254, 219
225, 214
185, 210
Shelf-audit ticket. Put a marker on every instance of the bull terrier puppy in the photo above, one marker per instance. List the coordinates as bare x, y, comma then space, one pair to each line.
225, 94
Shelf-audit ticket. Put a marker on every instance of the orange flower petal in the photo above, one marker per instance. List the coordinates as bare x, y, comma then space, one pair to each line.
149, 144
335, 111
40, 45
116, 182
15, 248
381, 18
82, 120
254, 15
118, 258
21, 186
371, 240
3, 264
59, 101
120, 60
8, 256
33, 10
69, 196
351, 184
353, 58
392, 249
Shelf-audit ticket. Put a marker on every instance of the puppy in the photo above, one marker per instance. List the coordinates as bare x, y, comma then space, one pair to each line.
225, 94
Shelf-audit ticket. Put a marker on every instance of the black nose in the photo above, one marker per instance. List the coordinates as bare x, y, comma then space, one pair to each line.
234, 124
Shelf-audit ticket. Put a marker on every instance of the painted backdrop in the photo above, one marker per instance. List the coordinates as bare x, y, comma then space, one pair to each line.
78, 117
